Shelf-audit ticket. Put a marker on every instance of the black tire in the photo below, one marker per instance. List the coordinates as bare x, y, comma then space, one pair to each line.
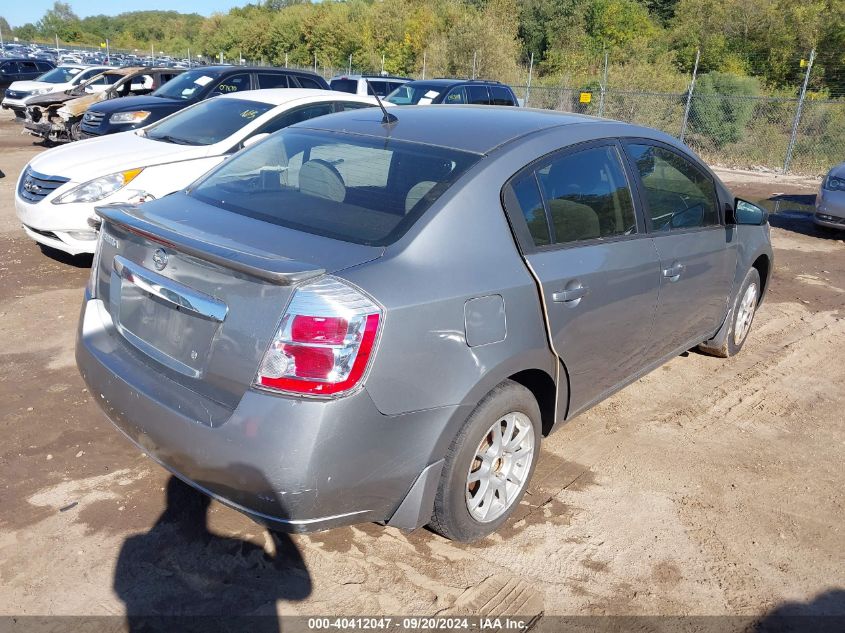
733, 344
452, 517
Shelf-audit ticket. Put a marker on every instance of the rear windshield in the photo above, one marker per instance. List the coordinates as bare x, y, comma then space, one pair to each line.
207, 122
352, 188
344, 85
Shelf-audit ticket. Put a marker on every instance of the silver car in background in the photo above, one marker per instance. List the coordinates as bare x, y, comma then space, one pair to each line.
830, 201
368, 317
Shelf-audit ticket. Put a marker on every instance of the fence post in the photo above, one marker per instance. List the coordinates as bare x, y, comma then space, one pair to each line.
689, 95
603, 86
423, 73
474, 59
528, 85
797, 120
349, 68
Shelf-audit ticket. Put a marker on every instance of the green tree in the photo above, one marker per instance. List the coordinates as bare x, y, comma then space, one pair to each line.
61, 21
722, 107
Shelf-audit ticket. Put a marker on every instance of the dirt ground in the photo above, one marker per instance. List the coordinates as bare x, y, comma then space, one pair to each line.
709, 487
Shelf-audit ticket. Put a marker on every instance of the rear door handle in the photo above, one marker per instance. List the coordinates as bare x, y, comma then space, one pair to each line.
674, 272
570, 294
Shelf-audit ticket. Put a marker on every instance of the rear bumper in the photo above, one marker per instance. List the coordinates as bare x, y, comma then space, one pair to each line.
294, 464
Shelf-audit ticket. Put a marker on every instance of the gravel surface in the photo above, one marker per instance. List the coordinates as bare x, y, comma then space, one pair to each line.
709, 487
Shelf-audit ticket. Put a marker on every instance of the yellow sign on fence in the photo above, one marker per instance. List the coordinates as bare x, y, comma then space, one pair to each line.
586, 97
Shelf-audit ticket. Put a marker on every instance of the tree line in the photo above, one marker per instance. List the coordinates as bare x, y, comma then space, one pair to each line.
651, 44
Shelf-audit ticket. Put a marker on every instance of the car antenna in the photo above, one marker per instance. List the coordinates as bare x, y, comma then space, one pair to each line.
387, 119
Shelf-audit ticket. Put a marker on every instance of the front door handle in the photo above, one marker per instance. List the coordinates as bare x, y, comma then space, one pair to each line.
570, 294
673, 273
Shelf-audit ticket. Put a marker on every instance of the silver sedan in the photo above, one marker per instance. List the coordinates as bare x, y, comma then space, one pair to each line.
830, 202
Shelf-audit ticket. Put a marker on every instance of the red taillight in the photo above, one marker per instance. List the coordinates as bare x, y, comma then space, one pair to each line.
324, 342
311, 329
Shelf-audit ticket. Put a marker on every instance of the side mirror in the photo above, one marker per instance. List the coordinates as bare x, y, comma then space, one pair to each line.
747, 213
252, 140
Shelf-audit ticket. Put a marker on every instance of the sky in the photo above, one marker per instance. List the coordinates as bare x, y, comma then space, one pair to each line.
19, 13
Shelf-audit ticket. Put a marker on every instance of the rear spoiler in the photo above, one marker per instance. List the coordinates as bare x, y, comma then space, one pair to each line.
272, 268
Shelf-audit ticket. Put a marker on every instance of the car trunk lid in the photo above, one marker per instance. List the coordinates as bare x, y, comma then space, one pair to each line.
198, 293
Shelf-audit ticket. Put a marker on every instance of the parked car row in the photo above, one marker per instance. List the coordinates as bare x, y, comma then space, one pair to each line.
323, 309
60, 188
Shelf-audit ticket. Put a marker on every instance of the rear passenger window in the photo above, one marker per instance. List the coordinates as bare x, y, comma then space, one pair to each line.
499, 95
272, 80
307, 82
301, 114
587, 196
679, 195
353, 105
531, 205
478, 95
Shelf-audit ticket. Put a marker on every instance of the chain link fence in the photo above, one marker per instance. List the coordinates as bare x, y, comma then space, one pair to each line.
730, 131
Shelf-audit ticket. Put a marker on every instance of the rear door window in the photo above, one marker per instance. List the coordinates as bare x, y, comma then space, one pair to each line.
308, 82
478, 95
353, 105
296, 116
272, 80
678, 194
347, 187
28, 67
587, 195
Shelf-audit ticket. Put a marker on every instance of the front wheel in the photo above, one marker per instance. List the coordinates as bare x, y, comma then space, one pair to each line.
488, 465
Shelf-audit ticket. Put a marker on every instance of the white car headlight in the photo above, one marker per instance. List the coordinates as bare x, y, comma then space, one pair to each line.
39, 91
98, 188
129, 117
64, 113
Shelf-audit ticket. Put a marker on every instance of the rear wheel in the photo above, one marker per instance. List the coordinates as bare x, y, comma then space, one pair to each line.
745, 307
488, 464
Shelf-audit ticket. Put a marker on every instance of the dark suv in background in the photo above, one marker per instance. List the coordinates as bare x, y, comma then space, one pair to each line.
474, 91
189, 88
22, 69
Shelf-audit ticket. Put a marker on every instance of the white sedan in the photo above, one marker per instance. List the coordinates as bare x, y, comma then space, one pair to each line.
57, 191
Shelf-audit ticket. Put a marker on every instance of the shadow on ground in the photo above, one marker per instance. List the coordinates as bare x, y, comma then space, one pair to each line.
824, 614
179, 576
77, 261
794, 212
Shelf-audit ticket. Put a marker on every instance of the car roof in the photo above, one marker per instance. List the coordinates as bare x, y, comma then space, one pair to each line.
280, 96
452, 82
252, 69
22, 59
470, 128
369, 77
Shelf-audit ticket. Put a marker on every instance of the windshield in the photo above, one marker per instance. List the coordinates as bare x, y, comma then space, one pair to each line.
347, 187
60, 75
412, 94
186, 86
207, 122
